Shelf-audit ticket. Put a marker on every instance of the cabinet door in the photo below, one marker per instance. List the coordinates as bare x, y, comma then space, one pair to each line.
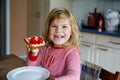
108, 58
87, 51
34, 17
37, 13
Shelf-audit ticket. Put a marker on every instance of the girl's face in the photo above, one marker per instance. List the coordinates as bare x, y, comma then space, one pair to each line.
60, 31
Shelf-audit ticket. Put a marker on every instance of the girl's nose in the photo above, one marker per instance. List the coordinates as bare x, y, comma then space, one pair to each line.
58, 29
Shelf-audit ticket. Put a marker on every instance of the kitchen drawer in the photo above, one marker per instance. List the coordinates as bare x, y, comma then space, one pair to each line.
113, 42
88, 37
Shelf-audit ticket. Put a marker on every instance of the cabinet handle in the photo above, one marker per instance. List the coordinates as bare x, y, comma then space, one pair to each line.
86, 45
114, 42
103, 49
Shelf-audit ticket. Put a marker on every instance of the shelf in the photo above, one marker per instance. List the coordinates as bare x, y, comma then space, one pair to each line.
114, 34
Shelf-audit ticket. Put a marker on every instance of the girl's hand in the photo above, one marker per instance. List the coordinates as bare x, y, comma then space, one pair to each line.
34, 52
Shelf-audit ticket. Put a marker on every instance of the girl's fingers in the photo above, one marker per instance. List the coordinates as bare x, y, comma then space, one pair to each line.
28, 47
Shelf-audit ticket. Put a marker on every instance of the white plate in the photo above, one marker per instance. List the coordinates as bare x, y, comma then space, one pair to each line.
28, 73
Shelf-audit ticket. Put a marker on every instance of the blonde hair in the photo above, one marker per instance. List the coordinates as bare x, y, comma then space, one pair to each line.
63, 13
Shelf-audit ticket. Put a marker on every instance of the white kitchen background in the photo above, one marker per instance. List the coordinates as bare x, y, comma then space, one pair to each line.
81, 8
96, 48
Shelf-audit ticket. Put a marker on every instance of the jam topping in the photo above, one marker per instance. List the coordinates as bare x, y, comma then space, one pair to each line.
36, 40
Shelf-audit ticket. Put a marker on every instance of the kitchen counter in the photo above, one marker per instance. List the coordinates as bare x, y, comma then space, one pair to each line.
114, 34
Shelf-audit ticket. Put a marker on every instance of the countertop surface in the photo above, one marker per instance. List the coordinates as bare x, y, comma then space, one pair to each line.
114, 34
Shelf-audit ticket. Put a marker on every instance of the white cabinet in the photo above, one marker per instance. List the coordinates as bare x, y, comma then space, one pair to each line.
101, 50
87, 47
87, 52
108, 58
108, 52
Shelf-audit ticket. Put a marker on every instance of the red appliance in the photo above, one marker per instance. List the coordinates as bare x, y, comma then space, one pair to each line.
96, 20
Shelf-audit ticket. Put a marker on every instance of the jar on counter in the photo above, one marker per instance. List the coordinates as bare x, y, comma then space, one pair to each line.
111, 20
111, 24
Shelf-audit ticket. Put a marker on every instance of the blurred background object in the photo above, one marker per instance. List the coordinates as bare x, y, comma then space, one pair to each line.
111, 20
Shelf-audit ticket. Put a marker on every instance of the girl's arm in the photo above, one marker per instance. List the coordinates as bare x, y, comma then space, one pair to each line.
33, 58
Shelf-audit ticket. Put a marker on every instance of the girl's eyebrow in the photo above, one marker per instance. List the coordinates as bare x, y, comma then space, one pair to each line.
56, 24
65, 24
52, 24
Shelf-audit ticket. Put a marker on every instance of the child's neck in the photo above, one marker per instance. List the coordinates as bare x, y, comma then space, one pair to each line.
58, 47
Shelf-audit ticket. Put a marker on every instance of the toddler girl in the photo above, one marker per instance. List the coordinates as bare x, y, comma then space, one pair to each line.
60, 55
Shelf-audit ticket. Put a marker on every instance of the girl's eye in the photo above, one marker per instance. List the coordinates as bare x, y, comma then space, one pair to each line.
53, 26
64, 26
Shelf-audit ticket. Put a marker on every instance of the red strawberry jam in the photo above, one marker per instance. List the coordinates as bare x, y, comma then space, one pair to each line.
32, 40
36, 41
40, 40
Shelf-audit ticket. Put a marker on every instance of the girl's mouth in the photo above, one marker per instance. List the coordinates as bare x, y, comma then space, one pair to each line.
58, 37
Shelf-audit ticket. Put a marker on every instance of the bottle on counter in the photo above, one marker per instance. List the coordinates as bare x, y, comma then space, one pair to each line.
100, 27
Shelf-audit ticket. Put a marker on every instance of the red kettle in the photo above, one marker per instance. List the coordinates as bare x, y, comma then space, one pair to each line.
96, 20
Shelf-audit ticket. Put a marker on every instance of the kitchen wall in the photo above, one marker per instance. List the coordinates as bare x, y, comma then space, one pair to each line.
61, 3
81, 8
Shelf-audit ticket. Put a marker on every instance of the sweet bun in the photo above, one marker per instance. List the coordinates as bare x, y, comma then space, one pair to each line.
34, 42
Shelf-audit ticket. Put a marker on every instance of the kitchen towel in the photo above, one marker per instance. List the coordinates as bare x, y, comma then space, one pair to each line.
89, 71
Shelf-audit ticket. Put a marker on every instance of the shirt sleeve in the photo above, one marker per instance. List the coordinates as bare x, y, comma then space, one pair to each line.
31, 57
73, 69
34, 60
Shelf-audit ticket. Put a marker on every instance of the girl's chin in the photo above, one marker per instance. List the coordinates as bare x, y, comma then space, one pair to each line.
58, 44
